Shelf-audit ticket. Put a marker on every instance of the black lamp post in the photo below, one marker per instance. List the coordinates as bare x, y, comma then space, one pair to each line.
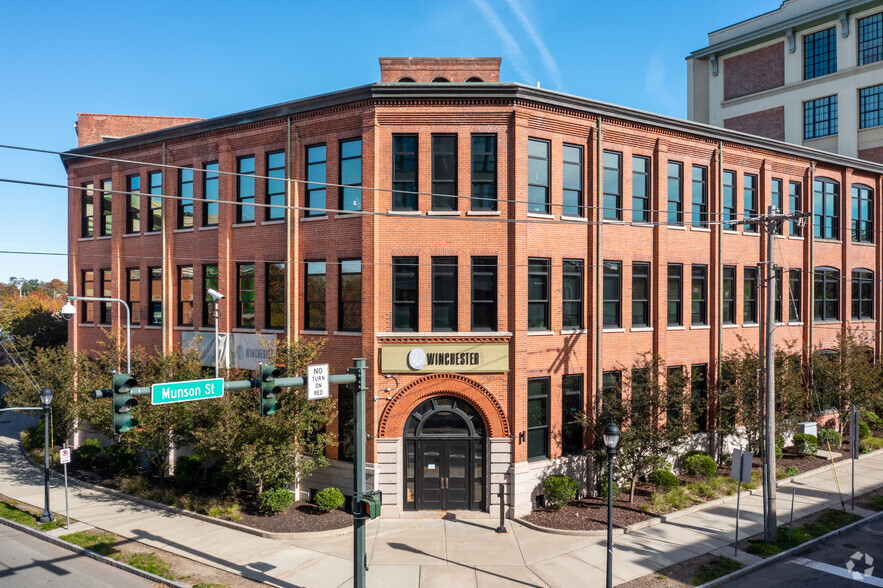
611, 440
46, 395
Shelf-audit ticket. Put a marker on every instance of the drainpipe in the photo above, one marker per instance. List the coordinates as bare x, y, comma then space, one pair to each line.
166, 282
289, 326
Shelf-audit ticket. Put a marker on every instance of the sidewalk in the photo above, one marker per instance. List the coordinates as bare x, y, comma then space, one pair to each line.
424, 552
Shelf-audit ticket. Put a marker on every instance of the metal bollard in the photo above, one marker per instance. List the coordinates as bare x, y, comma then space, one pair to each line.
502, 527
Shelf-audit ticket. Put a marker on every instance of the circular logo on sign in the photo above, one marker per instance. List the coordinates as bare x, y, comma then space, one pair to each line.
416, 359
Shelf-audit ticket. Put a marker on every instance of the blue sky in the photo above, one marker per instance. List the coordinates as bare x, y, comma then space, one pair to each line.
206, 59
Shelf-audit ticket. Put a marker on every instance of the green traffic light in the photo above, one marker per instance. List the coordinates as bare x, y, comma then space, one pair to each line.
123, 402
269, 389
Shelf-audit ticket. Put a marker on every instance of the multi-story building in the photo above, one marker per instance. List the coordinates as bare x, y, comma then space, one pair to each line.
810, 73
498, 253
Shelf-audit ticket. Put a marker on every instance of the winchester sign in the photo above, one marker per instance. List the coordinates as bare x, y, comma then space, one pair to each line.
396, 358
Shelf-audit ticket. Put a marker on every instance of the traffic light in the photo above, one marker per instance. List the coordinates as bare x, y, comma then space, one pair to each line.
269, 389
122, 402
370, 504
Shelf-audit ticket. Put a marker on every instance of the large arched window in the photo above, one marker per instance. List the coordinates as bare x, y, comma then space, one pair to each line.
826, 294
406, 80
862, 294
826, 208
862, 214
444, 416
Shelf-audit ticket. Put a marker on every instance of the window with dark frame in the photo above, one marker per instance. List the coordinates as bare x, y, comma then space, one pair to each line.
133, 204
154, 187
404, 172
700, 196
862, 294
870, 106
349, 308
484, 293
612, 294
826, 208
749, 193
749, 296
675, 387
571, 407
610, 403
640, 189
675, 193
106, 292
729, 295
185, 295
316, 193
314, 296
211, 194
538, 294
826, 291
245, 295
870, 39
444, 172
404, 297
862, 214
820, 117
612, 161
275, 186
185, 198
275, 296
245, 189
133, 293
444, 294
640, 294
699, 396
484, 172
729, 203
572, 181
777, 200
537, 418
538, 176
675, 293
105, 227
155, 290
572, 294
87, 283
351, 174
777, 295
209, 280
87, 209
699, 295
794, 295
795, 205
819, 53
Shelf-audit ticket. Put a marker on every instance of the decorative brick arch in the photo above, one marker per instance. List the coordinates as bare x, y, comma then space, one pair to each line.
397, 411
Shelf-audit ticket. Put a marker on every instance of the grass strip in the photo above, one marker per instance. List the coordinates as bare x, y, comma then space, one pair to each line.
9, 509
105, 543
830, 520
716, 568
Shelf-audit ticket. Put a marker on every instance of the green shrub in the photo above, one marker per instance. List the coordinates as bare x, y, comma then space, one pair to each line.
700, 465
864, 431
275, 499
870, 444
830, 436
874, 422
87, 451
602, 488
792, 471
779, 452
693, 452
780, 441
559, 490
807, 444
120, 459
188, 472
664, 478
329, 499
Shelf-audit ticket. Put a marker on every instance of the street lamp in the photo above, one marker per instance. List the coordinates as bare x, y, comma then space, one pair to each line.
46, 395
611, 440
216, 313
69, 310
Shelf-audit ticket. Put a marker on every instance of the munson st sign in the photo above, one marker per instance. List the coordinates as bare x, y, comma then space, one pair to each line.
169, 392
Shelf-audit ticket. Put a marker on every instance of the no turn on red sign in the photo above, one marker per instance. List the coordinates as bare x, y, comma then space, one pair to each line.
317, 381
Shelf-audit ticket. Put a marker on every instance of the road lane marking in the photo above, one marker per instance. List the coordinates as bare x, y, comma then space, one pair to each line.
838, 571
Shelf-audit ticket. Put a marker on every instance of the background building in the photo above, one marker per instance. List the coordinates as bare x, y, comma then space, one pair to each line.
499, 253
810, 73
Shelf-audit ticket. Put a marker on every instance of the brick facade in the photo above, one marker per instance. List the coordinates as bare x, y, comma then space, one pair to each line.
754, 71
874, 154
766, 123
96, 128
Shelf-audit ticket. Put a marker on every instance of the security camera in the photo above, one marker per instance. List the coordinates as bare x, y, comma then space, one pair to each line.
214, 294
68, 311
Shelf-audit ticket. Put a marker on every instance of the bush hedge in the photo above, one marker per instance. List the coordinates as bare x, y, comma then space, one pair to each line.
864, 431
664, 478
189, 472
120, 459
558, 490
700, 465
329, 499
275, 499
807, 444
874, 421
830, 436
88, 450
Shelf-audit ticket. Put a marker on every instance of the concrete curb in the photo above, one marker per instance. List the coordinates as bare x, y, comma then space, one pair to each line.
790, 552
91, 554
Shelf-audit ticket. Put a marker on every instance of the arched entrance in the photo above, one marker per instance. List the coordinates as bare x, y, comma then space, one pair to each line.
445, 447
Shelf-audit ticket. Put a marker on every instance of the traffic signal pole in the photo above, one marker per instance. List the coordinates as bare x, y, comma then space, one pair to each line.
360, 562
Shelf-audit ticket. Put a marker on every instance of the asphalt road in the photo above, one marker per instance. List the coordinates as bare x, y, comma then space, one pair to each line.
826, 564
27, 561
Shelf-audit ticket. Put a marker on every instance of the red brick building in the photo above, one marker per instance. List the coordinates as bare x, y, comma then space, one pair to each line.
497, 252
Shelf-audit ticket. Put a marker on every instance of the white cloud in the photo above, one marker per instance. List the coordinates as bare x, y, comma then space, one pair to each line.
510, 45
551, 67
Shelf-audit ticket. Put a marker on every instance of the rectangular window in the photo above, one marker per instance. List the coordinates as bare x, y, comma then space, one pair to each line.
572, 294
675, 385
612, 185
862, 295
862, 214
870, 39
275, 296
572, 181
245, 295
209, 280
133, 204
820, 117
444, 293
185, 295
538, 418
106, 225
749, 296
106, 292
675, 193
700, 196
826, 290
640, 189
729, 295
826, 209
349, 308
699, 295
404, 298
185, 198
87, 208
444, 172
154, 183
538, 176
210, 193
610, 405
314, 297
870, 102
538, 294
794, 307
795, 205
699, 396
484, 293
155, 310
729, 200
133, 294
749, 193
275, 186
612, 294
404, 172
777, 201
675, 290
87, 311
640, 294
245, 189
484, 172
819, 53
351, 174
571, 407
316, 172
777, 295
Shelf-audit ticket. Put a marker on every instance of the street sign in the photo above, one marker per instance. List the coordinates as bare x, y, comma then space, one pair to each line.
169, 392
65, 455
317, 381
741, 468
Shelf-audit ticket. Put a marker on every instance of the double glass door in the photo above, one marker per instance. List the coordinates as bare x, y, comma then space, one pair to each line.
444, 471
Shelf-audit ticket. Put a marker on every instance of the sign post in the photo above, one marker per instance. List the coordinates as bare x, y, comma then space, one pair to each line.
740, 471
65, 458
853, 446
170, 392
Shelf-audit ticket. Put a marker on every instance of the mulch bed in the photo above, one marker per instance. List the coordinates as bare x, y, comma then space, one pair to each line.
301, 517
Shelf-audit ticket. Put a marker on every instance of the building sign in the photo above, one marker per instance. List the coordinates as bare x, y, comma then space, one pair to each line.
241, 350
396, 358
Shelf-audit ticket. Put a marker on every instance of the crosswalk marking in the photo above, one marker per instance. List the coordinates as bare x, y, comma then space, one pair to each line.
838, 571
